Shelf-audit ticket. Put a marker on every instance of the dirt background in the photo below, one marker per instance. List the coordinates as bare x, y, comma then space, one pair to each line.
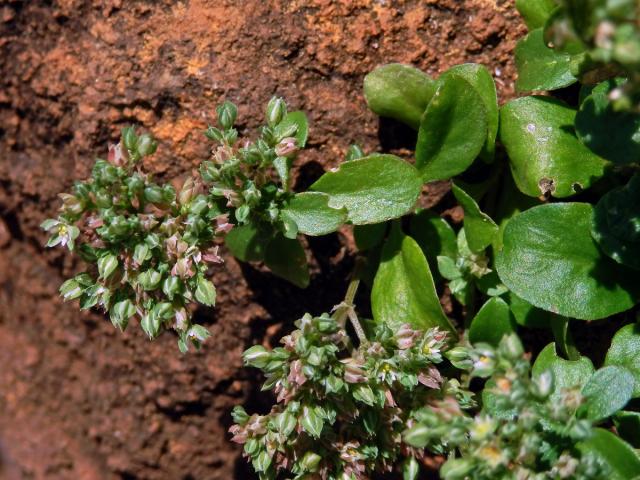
79, 400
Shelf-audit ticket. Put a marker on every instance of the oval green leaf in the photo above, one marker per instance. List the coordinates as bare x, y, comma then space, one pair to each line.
550, 260
540, 67
616, 223
566, 373
247, 242
625, 352
479, 229
607, 391
399, 91
545, 155
299, 119
373, 189
435, 237
311, 212
480, 79
622, 459
403, 289
491, 323
614, 135
286, 259
453, 130
535, 12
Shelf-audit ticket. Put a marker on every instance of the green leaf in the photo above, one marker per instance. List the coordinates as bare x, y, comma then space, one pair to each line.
121, 312
535, 12
607, 391
625, 352
482, 81
399, 91
206, 292
286, 259
448, 268
550, 260
614, 135
491, 323
70, 290
618, 455
453, 130
616, 223
247, 242
403, 289
107, 264
566, 373
311, 421
312, 214
435, 237
410, 469
479, 229
373, 189
299, 119
628, 426
369, 236
540, 67
545, 155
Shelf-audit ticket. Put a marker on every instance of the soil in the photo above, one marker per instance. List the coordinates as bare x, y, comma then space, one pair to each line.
79, 400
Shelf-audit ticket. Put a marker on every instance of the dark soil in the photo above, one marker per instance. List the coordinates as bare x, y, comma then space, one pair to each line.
78, 400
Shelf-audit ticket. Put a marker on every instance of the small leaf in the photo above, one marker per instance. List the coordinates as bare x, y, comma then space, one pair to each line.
566, 373
299, 119
369, 236
399, 91
612, 134
491, 323
448, 268
312, 214
70, 289
625, 352
311, 421
628, 426
616, 223
540, 67
535, 12
107, 264
121, 312
526, 314
435, 237
198, 333
410, 469
206, 292
622, 460
247, 242
453, 130
480, 230
286, 259
550, 260
403, 289
546, 157
607, 391
480, 79
373, 189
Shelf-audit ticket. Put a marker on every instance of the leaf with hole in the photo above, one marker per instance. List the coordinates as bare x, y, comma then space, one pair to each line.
546, 157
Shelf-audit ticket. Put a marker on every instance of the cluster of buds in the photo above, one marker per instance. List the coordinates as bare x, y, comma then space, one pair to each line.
151, 247
521, 432
468, 271
607, 37
340, 411
253, 178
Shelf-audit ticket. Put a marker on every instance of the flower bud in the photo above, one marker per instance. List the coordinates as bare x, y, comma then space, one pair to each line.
511, 347
171, 286
154, 194
542, 385
129, 138
456, 469
146, 145
276, 111
286, 147
353, 153
256, 356
310, 462
227, 113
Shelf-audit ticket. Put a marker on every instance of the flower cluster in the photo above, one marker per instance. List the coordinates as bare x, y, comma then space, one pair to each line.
340, 411
520, 433
152, 247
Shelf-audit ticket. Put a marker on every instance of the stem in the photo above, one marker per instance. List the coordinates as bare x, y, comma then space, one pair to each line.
362, 338
346, 309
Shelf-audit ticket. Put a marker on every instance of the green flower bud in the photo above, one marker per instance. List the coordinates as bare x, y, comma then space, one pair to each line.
542, 385
70, 289
256, 356
141, 253
146, 145
418, 436
242, 213
213, 133
121, 312
107, 264
154, 194
262, 461
456, 469
240, 415
149, 279
511, 347
310, 462
129, 138
410, 469
354, 152
276, 111
171, 286
286, 423
227, 113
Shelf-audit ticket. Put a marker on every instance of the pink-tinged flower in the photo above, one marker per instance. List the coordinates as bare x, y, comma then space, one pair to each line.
287, 146
353, 372
296, 375
94, 222
431, 378
183, 268
239, 434
406, 336
117, 156
182, 319
222, 224
211, 255
62, 233
389, 399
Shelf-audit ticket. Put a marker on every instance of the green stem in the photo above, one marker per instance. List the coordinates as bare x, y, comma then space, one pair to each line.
564, 341
347, 308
